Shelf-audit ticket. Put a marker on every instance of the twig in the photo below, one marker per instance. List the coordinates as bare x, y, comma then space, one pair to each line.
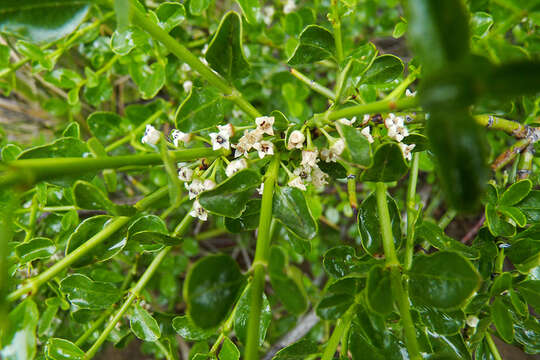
474, 230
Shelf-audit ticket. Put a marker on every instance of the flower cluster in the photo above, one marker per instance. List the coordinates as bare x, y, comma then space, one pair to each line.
398, 131
253, 139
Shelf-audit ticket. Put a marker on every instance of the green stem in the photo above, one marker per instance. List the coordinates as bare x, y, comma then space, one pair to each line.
493, 347
395, 275
525, 163
32, 221
134, 294
447, 218
371, 108
411, 210
336, 24
324, 91
400, 89
34, 283
511, 127
260, 261
141, 19
32, 170
342, 325
96, 324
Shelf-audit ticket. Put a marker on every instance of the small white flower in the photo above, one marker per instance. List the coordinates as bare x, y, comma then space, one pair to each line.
303, 173
220, 140
366, 132
264, 124
195, 188
151, 135
264, 148
268, 14
406, 149
337, 147
185, 174
235, 166
260, 189
237, 113
188, 85
318, 177
472, 321
309, 158
209, 184
346, 121
185, 67
179, 136
246, 142
394, 121
365, 119
398, 133
410, 93
226, 130
289, 7
296, 140
298, 183
328, 156
198, 211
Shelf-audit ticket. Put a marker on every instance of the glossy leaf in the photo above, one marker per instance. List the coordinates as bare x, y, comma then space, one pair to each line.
241, 317
457, 142
106, 126
300, 350
291, 209
42, 20
211, 288
481, 22
444, 280
442, 322
531, 206
249, 220
333, 306
61, 349
530, 290
388, 164
436, 237
202, 109
230, 198
143, 325
502, 319
250, 9
315, 44
186, 328
197, 7
225, 53
90, 197
378, 290
228, 351
358, 146
104, 250
37, 248
369, 227
149, 78
88, 294
524, 254
170, 15
498, 226
10, 152
19, 338
384, 69
515, 193
340, 261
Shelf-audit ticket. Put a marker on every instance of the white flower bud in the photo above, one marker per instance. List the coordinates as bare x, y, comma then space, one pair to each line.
185, 174
209, 184
188, 85
296, 140
235, 166
198, 211
407, 150
366, 132
264, 148
178, 136
309, 158
264, 124
151, 135
298, 183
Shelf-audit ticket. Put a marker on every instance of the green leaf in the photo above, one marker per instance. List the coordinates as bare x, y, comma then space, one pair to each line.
436, 237
497, 224
229, 351
125, 40
457, 142
502, 320
481, 22
61, 349
384, 69
249, 220
104, 250
333, 306
340, 261
399, 30
201, 109
501, 283
211, 288
151, 230
442, 322
531, 206
524, 254
88, 294
42, 20
438, 31
170, 15
388, 164
358, 146
230, 198
10, 152
90, 197
334, 169
378, 291
513, 79
515, 193
225, 53
143, 325
72, 130
291, 209
149, 78
287, 282
186, 328
37, 248
251, 10
444, 280
63, 78
19, 337
315, 44
241, 317
196, 7
515, 214
530, 290
369, 227
300, 350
